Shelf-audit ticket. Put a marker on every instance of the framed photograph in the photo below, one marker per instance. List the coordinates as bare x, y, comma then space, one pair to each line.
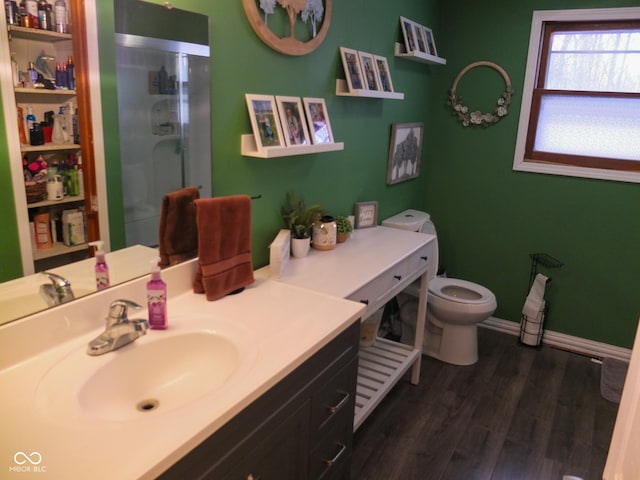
431, 44
382, 71
404, 152
264, 121
369, 73
318, 120
421, 43
408, 34
294, 126
366, 214
352, 70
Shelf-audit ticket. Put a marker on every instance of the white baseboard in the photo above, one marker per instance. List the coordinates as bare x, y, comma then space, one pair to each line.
563, 341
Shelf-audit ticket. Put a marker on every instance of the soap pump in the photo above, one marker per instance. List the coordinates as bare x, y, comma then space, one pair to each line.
102, 270
157, 298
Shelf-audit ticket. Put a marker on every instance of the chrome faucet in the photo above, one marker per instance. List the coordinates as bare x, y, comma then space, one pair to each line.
58, 291
119, 330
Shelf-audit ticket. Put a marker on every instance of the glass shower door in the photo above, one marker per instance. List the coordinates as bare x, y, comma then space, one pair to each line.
164, 125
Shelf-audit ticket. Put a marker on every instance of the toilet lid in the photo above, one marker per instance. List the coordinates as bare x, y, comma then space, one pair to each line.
460, 291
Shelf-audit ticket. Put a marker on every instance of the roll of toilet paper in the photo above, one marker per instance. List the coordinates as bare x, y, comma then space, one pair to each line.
533, 312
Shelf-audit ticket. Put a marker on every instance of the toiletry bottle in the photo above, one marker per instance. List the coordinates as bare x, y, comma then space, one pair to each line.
157, 298
60, 13
71, 75
102, 271
32, 75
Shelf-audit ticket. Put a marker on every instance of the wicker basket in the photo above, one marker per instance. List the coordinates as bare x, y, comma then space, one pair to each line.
36, 192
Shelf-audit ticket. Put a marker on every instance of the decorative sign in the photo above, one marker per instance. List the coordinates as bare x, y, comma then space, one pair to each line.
311, 12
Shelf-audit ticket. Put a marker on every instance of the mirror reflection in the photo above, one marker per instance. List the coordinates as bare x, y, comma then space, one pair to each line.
163, 84
163, 110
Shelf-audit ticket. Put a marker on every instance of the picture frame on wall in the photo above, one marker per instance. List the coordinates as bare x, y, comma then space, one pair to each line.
369, 73
292, 117
383, 73
431, 43
405, 151
408, 35
318, 120
421, 42
352, 69
265, 121
365, 214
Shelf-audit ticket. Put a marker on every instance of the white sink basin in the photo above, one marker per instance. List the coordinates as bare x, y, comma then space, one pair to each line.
156, 374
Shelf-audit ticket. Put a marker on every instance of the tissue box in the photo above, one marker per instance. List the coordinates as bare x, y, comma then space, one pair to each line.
73, 228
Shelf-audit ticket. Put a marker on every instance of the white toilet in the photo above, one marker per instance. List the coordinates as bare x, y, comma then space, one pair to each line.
454, 307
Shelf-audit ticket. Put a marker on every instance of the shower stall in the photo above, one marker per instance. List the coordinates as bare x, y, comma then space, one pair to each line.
163, 84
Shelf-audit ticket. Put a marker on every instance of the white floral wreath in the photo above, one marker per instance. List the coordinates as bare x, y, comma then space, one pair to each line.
476, 117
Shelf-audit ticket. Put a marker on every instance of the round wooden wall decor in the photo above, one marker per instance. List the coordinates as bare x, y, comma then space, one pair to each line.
288, 45
476, 117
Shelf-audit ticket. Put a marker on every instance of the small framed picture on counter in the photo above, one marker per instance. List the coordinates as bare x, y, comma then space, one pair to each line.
366, 214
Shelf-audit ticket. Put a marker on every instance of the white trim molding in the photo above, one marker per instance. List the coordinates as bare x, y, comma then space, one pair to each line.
538, 19
563, 341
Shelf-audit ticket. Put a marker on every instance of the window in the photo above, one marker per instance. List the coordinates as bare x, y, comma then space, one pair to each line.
580, 112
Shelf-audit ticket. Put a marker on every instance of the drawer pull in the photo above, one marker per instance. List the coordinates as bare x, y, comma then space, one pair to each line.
332, 462
366, 302
425, 258
334, 408
398, 277
251, 476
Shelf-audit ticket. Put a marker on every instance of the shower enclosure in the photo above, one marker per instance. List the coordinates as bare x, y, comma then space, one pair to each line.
163, 84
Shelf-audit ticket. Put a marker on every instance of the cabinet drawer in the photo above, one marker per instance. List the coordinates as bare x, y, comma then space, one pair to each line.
333, 451
417, 260
367, 295
335, 397
280, 456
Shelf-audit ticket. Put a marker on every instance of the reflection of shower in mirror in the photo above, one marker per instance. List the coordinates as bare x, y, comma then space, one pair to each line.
164, 115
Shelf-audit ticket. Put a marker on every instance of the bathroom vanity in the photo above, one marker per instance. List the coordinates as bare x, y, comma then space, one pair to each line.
259, 379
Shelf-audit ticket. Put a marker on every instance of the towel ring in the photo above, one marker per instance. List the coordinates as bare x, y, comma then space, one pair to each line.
476, 117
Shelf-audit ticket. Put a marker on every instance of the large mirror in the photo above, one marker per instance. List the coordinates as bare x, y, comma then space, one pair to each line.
163, 84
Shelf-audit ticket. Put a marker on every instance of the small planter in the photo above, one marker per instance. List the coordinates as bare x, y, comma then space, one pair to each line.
342, 237
300, 247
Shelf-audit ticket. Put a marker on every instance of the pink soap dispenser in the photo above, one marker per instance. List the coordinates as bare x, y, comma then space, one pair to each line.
157, 298
102, 270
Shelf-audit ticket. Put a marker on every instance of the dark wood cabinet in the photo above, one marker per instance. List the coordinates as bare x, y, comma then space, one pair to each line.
302, 428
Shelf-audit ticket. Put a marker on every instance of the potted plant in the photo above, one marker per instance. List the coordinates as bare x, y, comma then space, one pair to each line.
299, 219
344, 227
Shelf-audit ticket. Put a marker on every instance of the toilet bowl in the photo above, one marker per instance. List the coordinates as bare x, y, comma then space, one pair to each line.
454, 306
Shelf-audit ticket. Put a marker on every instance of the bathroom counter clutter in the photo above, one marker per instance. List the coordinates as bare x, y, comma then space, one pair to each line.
372, 267
72, 415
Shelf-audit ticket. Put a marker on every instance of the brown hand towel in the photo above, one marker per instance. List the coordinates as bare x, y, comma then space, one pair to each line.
224, 245
178, 233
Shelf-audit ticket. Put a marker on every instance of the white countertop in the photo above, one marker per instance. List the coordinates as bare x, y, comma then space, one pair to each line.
280, 322
326, 270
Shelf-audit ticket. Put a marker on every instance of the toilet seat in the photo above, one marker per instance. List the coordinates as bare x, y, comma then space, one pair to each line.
460, 291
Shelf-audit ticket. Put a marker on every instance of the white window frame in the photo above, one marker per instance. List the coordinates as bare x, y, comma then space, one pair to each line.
537, 22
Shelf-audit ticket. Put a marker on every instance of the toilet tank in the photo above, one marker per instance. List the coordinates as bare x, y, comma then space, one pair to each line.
416, 221
413, 220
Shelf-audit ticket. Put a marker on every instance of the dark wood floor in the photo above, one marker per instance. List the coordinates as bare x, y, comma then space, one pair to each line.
520, 413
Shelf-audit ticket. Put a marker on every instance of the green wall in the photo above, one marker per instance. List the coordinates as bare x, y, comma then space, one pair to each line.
10, 264
490, 217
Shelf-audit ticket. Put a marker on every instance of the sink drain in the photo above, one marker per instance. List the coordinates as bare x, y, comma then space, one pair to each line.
148, 405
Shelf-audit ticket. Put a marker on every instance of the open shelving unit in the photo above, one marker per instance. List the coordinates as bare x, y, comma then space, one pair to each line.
401, 51
248, 148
